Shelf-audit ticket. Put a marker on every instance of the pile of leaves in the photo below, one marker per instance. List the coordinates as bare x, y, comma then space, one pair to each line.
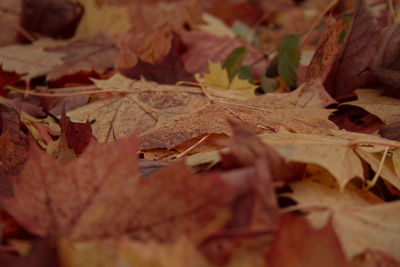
199, 133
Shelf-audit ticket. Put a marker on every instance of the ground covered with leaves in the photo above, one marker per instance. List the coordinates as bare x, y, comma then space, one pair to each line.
199, 133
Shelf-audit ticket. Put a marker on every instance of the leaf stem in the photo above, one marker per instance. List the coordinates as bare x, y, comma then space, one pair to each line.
370, 184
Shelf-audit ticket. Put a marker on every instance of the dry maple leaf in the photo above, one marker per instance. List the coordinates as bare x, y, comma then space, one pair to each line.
350, 69
31, 60
170, 115
100, 194
298, 244
372, 100
359, 222
336, 152
95, 54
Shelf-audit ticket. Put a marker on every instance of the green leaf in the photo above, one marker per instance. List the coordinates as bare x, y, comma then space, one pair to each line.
288, 59
244, 73
234, 60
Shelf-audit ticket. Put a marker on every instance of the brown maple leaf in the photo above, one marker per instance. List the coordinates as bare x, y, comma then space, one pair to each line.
101, 194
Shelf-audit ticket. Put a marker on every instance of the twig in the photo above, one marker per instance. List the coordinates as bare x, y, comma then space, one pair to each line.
370, 184
25, 92
193, 146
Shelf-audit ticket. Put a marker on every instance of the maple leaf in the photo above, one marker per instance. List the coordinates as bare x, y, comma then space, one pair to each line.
334, 152
218, 77
167, 69
247, 148
31, 60
350, 68
84, 205
372, 100
94, 54
298, 244
359, 222
164, 113
73, 140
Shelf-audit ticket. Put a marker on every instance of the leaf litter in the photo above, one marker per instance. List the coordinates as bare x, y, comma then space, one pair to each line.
237, 177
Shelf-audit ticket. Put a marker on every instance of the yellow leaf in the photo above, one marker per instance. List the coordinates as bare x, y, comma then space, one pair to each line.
242, 85
105, 18
218, 77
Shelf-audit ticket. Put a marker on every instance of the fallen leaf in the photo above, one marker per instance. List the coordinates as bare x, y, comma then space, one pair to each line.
246, 147
356, 119
360, 227
31, 60
391, 131
326, 50
202, 47
95, 54
73, 140
12, 158
298, 244
56, 18
10, 118
82, 205
390, 79
218, 76
114, 19
288, 59
7, 78
130, 253
215, 26
164, 113
169, 69
372, 100
350, 69
334, 152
